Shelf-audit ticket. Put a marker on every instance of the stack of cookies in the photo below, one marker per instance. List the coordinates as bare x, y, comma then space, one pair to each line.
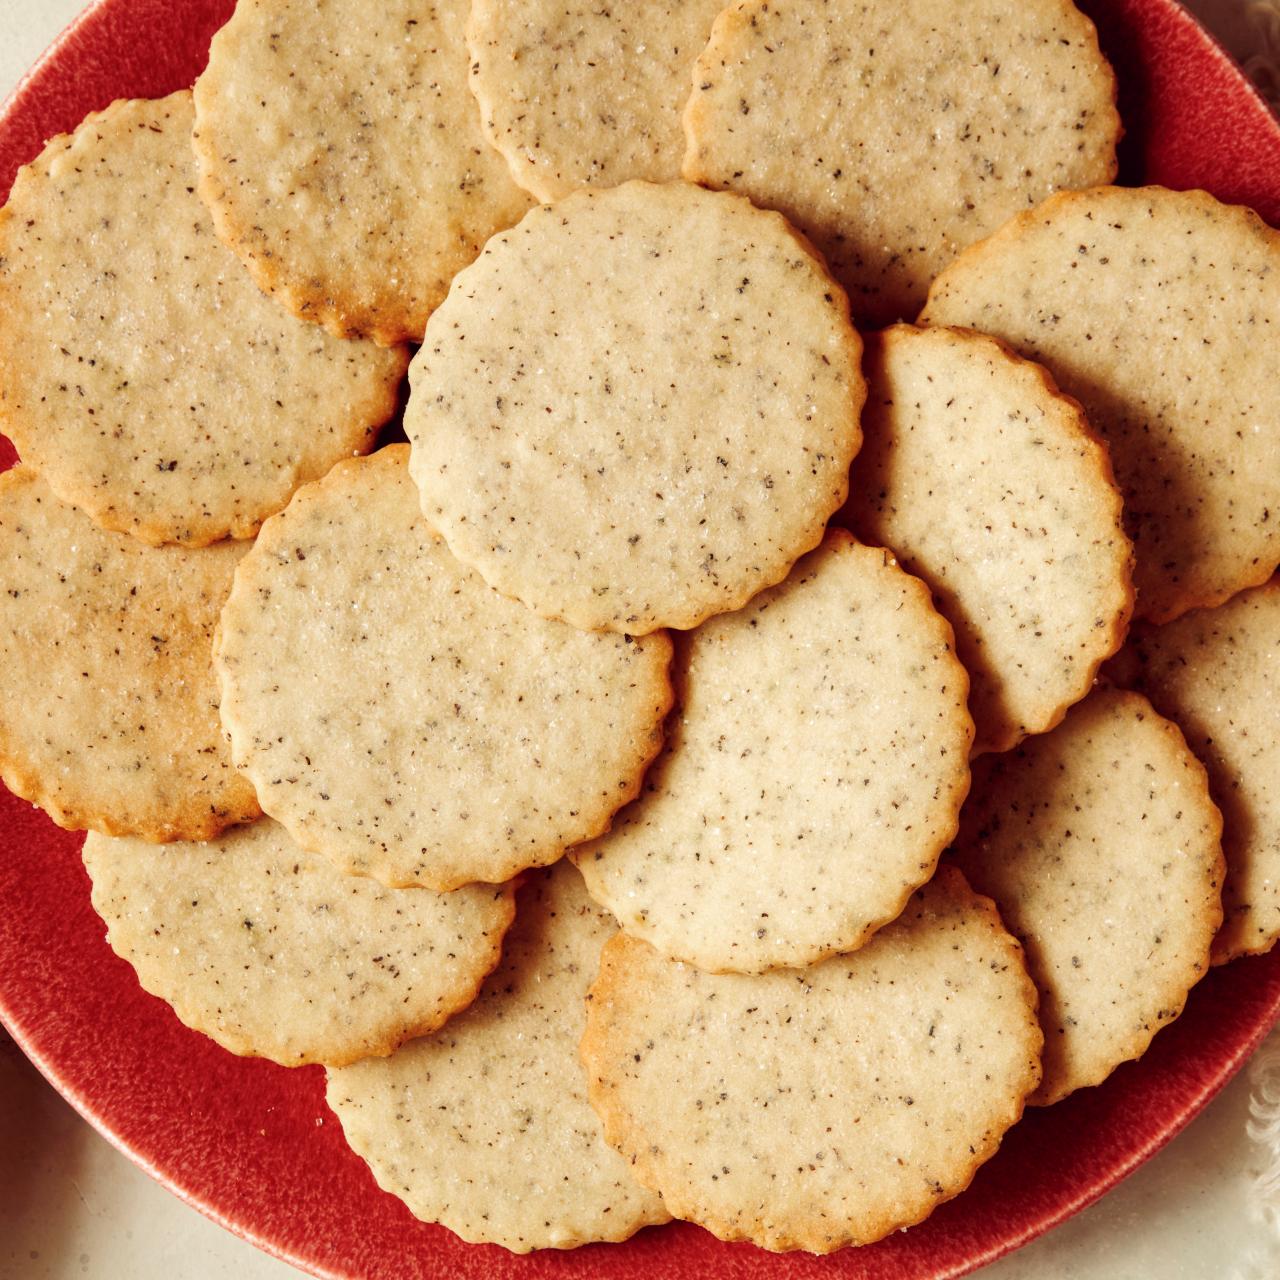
677, 780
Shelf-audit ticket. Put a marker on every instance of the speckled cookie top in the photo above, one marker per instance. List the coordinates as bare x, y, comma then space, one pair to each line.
816, 1109
812, 777
141, 372
1217, 673
274, 954
637, 408
895, 135
1101, 847
341, 155
578, 94
485, 1126
991, 487
402, 718
110, 719
1160, 312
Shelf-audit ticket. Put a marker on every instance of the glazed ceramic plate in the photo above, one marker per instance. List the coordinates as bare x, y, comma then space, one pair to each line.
254, 1146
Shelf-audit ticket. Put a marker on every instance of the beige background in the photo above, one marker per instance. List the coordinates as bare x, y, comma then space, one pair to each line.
71, 1206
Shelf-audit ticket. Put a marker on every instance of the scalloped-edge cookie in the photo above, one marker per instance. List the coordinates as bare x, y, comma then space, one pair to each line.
812, 776
1102, 849
990, 485
141, 372
637, 408
272, 953
1216, 672
109, 718
579, 94
485, 1127
342, 158
398, 716
826, 1107
1160, 312
894, 135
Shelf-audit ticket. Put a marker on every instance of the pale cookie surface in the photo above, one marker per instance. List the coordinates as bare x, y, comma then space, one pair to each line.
637, 408
110, 719
485, 1126
821, 1108
141, 372
1102, 850
991, 487
1160, 312
402, 718
813, 776
581, 94
274, 954
1217, 673
341, 155
895, 135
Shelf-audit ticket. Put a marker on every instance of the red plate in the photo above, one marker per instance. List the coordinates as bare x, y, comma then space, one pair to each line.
254, 1146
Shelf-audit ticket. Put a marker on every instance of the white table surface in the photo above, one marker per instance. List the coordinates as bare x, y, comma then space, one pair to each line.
71, 1206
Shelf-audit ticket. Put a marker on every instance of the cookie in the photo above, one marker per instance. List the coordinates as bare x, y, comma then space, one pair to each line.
109, 718
141, 372
398, 716
341, 156
637, 408
485, 1126
811, 778
577, 95
826, 1107
270, 952
1217, 673
1160, 311
1102, 850
990, 486
895, 135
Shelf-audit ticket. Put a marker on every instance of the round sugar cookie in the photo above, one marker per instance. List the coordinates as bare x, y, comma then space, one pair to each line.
398, 716
637, 408
341, 156
485, 1126
1160, 311
141, 372
1102, 850
272, 953
580, 94
991, 487
812, 777
895, 135
109, 718
1217, 673
826, 1107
